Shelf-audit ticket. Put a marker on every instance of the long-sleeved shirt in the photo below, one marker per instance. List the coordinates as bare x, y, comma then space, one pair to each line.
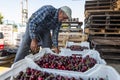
45, 18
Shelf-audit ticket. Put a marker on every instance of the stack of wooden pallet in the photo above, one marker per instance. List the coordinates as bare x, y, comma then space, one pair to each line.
103, 28
109, 47
71, 31
99, 4
103, 23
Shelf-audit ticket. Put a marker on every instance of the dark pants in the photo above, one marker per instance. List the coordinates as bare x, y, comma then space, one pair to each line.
44, 38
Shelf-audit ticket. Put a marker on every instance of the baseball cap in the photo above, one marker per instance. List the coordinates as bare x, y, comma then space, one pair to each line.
67, 11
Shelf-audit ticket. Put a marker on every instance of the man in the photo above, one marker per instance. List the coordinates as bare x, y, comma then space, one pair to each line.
38, 29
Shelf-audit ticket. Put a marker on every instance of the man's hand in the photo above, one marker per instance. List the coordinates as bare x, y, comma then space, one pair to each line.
56, 49
34, 45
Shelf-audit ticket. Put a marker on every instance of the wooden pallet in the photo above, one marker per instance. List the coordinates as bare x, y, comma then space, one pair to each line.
62, 39
101, 12
102, 30
104, 35
77, 37
72, 36
110, 54
108, 51
106, 19
73, 23
61, 42
71, 30
109, 48
111, 57
111, 26
105, 43
99, 5
105, 38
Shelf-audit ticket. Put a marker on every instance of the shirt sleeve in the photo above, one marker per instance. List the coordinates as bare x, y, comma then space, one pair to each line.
38, 18
55, 34
32, 26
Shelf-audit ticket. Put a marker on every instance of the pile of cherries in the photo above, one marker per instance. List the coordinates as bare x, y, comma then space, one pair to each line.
33, 74
77, 48
71, 63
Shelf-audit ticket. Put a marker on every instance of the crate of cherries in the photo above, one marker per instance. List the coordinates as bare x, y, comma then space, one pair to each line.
77, 46
28, 70
34, 74
70, 63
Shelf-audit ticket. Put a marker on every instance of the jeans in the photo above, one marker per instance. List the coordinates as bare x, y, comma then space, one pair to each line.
44, 40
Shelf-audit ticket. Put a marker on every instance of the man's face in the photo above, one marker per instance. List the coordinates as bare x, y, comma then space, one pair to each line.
62, 16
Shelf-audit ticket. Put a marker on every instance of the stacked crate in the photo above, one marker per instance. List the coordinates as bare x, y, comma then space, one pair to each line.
71, 31
102, 25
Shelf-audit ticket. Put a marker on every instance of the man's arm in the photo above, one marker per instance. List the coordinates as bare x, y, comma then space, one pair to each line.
36, 19
55, 34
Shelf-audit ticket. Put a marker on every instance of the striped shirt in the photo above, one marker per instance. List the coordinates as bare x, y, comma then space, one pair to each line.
45, 18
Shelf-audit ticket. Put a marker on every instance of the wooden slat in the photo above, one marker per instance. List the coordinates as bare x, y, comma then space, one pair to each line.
111, 57
105, 42
110, 51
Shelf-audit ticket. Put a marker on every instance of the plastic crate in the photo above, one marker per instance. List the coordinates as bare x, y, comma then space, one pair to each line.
17, 67
47, 50
68, 52
92, 53
98, 71
85, 43
105, 71
22, 65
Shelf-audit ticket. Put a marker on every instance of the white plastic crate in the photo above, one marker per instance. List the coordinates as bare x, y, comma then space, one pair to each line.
47, 50
23, 64
98, 71
105, 71
68, 52
85, 43
17, 67
92, 53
